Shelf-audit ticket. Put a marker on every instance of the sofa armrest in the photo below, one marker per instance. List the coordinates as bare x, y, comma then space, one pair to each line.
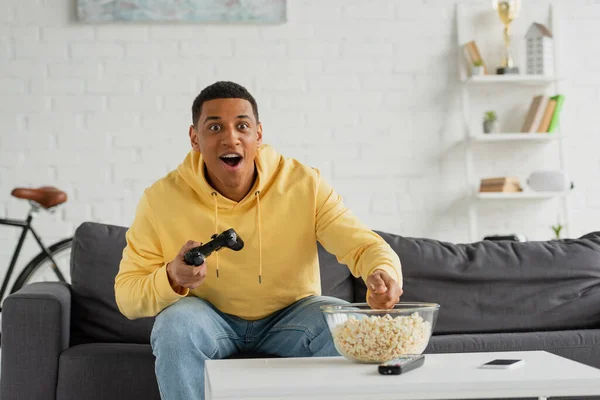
35, 331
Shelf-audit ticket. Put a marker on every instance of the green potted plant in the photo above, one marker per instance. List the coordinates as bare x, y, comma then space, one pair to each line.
557, 229
477, 69
490, 122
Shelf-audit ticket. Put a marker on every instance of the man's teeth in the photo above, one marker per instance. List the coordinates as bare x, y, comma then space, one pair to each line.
230, 156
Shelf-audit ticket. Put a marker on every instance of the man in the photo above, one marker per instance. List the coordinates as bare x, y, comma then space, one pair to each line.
264, 298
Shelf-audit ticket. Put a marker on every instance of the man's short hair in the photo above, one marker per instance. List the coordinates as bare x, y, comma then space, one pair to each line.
222, 90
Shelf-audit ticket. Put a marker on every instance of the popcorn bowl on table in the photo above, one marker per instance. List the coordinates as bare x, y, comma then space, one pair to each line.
367, 335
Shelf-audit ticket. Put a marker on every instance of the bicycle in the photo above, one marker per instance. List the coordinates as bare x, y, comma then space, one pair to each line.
53, 262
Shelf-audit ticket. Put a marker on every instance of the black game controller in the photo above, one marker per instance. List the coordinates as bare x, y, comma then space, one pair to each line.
228, 238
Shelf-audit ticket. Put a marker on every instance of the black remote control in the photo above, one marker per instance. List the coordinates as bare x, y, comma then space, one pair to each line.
228, 238
401, 365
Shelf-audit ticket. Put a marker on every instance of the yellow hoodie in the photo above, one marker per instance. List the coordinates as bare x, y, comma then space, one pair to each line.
281, 219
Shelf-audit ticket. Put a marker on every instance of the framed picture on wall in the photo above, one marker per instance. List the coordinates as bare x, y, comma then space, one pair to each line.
209, 11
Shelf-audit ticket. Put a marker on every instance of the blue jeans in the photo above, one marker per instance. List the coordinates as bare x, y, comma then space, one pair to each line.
192, 330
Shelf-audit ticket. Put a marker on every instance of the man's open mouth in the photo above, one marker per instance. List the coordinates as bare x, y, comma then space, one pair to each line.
231, 159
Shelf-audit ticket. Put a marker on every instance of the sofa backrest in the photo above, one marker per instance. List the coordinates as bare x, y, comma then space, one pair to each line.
485, 286
504, 286
97, 252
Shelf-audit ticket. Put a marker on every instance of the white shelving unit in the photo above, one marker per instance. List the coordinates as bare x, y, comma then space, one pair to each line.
519, 196
510, 79
514, 137
472, 139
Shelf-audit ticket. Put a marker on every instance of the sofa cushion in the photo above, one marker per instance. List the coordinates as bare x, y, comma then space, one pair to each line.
115, 371
335, 277
504, 286
97, 252
96, 255
578, 345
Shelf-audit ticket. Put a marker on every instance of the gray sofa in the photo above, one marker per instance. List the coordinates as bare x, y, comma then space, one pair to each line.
70, 342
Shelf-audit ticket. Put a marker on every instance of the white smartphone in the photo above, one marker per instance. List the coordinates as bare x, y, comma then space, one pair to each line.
503, 363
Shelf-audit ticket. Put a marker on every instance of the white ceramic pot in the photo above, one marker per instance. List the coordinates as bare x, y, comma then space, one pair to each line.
549, 181
477, 70
490, 126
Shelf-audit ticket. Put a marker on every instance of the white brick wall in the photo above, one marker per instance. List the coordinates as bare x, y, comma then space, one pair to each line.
364, 90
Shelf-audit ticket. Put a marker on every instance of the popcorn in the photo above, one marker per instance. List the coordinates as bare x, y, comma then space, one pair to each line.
378, 339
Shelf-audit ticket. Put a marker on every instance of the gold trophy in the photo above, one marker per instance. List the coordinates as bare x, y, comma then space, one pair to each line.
508, 10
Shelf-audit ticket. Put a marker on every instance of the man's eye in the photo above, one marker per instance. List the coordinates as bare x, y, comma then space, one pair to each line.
243, 126
214, 128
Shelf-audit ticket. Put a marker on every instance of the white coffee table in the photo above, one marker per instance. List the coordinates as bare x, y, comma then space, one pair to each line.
443, 376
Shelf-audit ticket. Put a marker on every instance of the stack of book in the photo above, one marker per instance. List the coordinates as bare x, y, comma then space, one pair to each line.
506, 184
543, 114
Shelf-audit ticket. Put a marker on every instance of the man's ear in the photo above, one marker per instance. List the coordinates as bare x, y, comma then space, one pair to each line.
194, 138
259, 134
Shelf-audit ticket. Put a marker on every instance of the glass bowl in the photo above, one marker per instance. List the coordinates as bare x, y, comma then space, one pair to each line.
367, 335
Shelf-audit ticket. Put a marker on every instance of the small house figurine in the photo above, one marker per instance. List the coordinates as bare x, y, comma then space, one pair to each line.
540, 56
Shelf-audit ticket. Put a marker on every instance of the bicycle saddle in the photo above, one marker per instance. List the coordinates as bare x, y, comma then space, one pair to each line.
46, 196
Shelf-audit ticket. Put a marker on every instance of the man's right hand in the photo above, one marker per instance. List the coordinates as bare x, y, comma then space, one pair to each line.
182, 275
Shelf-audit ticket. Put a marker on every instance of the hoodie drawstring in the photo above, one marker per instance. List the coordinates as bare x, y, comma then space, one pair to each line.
258, 222
259, 237
214, 195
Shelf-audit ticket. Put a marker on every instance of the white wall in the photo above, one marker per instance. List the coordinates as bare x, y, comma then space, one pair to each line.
365, 90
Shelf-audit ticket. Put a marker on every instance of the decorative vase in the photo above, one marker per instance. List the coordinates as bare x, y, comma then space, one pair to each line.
490, 126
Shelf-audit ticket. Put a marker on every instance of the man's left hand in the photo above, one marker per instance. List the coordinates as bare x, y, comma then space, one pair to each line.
384, 291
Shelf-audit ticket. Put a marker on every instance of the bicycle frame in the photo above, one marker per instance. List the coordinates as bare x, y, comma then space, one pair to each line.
25, 225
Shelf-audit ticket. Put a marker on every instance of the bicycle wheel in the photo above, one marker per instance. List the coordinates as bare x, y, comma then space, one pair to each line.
40, 268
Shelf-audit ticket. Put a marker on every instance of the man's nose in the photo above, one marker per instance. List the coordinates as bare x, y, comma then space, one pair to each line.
230, 137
